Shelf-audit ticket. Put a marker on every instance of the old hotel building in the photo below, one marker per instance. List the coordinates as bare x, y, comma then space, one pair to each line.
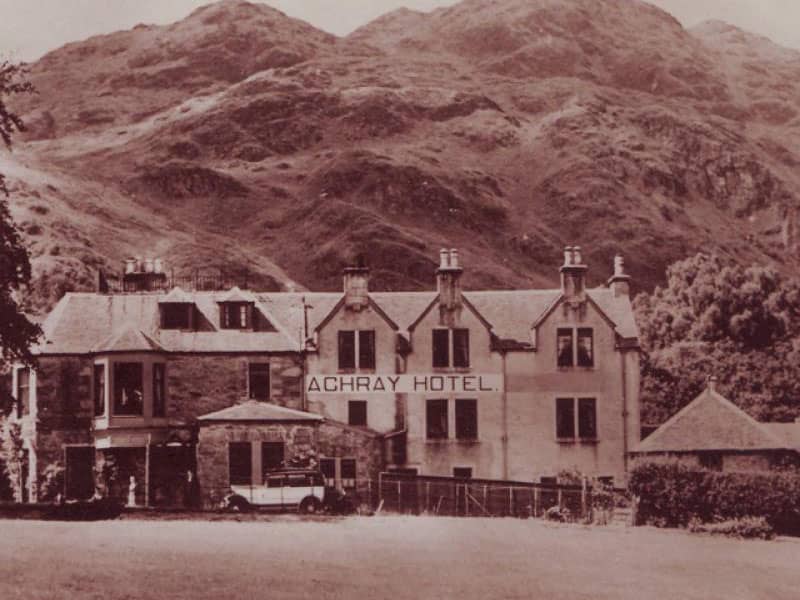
188, 391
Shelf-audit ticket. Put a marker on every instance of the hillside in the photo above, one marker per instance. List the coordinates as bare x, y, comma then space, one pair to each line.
243, 139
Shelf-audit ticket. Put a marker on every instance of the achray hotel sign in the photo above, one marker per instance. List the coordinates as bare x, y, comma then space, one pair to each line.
456, 383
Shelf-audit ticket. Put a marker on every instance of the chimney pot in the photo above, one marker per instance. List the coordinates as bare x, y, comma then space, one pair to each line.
576, 255
444, 258
158, 265
130, 265
567, 256
619, 265
712, 383
454, 258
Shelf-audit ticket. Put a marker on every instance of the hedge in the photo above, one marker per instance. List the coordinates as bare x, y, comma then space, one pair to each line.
673, 494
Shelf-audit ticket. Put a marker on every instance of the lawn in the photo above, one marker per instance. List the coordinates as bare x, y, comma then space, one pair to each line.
384, 557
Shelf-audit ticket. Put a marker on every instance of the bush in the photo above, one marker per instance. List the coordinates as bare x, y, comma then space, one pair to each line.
746, 527
673, 494
557, 513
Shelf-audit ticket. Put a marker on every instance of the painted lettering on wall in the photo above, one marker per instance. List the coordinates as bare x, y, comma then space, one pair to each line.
404, 384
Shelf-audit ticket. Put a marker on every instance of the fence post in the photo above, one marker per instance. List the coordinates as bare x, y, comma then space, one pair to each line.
466, 499
380, 487
583, 497
535, 502
485, 503
427, 496
510, 501
399, 497
560, 497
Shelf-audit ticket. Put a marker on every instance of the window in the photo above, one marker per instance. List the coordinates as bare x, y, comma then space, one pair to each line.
159, 390
441, 348
466, 419
235, 315
565, 418
347, 349
445, 340
357, 344
711, 461
564, 347
462, 472
276, 481
99, 390
460, 347
240, 462
587, 418
128, 390
568, 422
272, 455
585, 348
357, 413
348, 467
366, 349
436, 415
258, 381
175, 316
327, 467
570, 353
23, 391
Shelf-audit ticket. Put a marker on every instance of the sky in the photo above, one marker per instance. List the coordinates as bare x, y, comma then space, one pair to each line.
29, 28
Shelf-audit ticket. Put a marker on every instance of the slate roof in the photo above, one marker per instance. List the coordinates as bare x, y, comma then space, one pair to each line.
84, 322
712, 422
128, 339
252, 410
789, 432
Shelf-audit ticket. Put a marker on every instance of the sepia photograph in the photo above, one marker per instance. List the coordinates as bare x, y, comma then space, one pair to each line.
399, 299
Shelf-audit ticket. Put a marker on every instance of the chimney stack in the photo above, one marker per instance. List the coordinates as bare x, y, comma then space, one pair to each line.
448, 279
143, 275
573, 275
712, 383
356, 285
620, 282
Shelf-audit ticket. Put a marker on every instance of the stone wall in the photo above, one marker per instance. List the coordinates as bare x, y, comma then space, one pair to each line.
343, 441
212, 451
198, 385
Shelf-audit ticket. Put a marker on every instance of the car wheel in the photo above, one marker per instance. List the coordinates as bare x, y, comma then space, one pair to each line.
238, 504
310, 506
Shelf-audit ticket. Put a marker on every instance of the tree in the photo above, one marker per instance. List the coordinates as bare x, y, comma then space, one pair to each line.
713, 318
17, 333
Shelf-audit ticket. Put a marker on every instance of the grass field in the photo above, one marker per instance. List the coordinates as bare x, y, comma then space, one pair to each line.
384, 557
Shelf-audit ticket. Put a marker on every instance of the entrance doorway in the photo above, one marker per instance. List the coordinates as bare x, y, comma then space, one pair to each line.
79, 475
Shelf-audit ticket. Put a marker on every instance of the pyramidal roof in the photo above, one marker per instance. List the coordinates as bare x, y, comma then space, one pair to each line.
176, 296
711, 422
237, 295
253, 410
128, 339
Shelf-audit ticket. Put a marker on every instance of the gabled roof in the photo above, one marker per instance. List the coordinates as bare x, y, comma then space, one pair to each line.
252, 410
82, 322
128, 339
711, 422
176, 296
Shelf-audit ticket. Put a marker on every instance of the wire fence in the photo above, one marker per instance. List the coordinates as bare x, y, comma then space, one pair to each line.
462, 497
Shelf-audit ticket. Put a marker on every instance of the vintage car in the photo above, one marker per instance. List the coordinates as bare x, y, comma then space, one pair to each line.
300, 489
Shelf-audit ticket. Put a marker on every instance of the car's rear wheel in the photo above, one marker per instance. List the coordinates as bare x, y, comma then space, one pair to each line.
238, 504
310, 506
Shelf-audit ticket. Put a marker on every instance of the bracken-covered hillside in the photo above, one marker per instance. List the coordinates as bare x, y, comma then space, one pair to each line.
240, 138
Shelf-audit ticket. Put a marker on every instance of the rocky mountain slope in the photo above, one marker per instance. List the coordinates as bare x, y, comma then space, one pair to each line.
242, 139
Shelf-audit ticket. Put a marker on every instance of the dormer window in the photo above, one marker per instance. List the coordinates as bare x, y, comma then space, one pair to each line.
235, 315
177, 310
176, 316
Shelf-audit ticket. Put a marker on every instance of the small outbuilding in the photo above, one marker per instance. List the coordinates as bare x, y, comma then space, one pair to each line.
714, 433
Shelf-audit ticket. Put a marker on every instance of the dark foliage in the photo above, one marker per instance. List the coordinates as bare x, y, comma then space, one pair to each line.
713, 318
673, 495
17, 333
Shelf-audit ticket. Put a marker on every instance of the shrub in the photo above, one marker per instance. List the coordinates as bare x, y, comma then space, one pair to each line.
745, 527
557, 513
672, 494
51, 486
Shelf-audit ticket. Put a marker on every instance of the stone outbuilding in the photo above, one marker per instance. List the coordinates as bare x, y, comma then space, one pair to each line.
714, 433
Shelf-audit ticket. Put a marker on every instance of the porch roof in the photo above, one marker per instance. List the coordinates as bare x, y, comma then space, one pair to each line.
255, 411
